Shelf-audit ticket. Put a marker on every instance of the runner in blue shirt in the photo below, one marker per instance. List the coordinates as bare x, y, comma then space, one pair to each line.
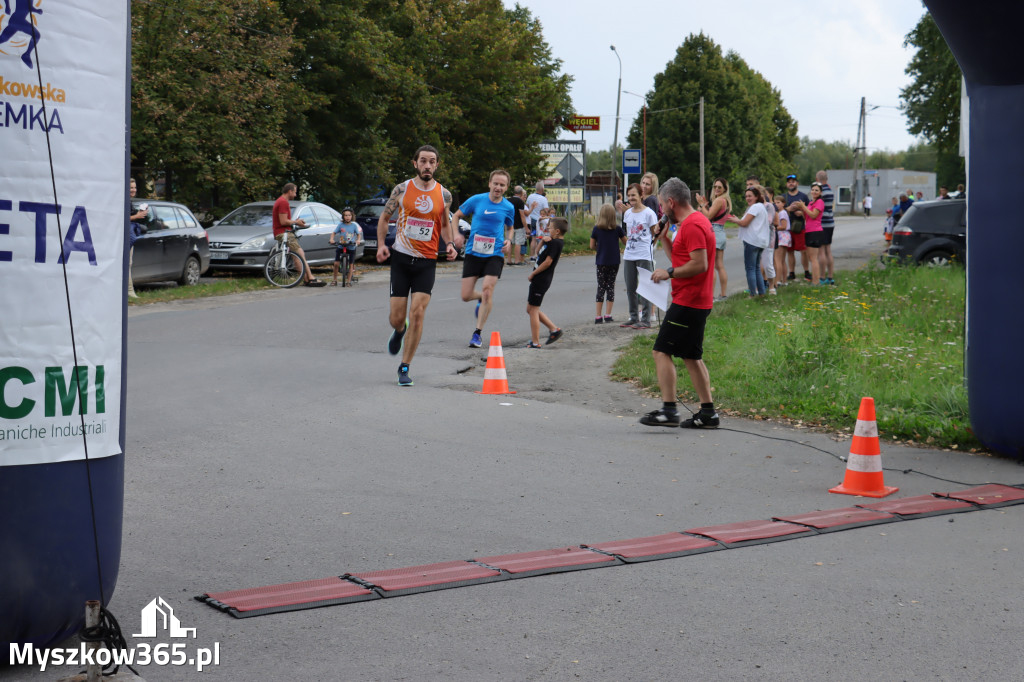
492, 217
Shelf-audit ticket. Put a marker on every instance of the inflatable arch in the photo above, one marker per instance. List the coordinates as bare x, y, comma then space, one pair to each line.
982, 38
63, 262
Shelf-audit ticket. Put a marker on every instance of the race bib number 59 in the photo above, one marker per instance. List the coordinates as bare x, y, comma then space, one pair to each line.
483, 245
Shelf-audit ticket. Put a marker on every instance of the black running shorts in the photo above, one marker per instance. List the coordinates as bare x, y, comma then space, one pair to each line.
479, 266
682, 332
538, 287
411, 275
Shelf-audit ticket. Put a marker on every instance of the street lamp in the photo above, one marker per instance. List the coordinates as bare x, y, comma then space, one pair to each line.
618, 100
645, 125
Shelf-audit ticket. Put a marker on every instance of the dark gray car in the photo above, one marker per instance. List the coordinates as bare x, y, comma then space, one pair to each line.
243, 239
175, 246
932, 232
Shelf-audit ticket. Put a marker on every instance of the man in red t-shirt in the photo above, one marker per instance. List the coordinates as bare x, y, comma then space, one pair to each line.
284, 229
692, 254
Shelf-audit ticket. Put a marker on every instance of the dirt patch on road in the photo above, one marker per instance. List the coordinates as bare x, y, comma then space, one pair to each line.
576, 368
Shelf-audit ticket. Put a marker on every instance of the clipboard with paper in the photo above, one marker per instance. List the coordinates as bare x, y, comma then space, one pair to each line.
658, 293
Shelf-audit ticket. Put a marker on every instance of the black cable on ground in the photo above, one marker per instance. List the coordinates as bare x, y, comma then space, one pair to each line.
108, 633
839, 457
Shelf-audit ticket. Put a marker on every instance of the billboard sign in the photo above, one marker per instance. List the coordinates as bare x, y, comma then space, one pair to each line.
564, 171
577, 123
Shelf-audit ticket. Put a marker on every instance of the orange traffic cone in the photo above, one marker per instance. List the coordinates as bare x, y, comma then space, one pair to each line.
495, 379
864, 466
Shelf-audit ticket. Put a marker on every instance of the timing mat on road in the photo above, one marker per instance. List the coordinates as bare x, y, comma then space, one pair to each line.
358, 587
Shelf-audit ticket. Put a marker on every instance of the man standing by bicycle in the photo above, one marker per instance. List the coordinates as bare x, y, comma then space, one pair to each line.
422, 205
284, 229
492, 217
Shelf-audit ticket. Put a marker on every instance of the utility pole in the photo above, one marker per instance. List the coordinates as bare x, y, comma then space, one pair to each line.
859, 153
702, 192
615, 141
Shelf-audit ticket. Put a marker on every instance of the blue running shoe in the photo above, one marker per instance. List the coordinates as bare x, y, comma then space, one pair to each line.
395, 342
403, 375
475, 341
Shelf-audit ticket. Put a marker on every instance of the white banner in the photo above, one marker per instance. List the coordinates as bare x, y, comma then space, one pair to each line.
77, 98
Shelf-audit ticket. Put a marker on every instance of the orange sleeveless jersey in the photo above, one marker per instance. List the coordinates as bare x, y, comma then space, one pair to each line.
419, 221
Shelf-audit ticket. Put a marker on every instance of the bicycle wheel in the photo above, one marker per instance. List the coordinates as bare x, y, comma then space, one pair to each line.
345, 265
283, 270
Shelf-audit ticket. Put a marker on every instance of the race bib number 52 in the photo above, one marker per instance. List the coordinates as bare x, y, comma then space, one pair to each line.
419, 230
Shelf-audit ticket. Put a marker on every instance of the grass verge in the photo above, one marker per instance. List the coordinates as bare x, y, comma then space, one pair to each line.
158, 293
811, 353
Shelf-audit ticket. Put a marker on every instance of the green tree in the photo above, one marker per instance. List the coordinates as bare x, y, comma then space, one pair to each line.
932, 100
349, 82
746, 127
383, 77
499, 71
211, 86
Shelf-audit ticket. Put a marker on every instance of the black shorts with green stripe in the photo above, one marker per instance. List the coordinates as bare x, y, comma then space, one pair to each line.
682, 332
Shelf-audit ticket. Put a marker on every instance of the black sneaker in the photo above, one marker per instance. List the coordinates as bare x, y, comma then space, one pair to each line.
403, 375
395, 342
792, 276
700, 421
660, 418
629, 323
553, 336
807, 276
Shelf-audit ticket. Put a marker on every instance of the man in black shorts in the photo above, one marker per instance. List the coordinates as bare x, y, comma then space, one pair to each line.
692, 254
422, 205
492, 217
518, 202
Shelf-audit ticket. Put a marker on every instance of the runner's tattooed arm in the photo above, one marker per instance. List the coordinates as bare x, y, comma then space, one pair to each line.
383, 252
393, 202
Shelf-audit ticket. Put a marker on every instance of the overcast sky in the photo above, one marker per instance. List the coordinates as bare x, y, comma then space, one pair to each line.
821, 56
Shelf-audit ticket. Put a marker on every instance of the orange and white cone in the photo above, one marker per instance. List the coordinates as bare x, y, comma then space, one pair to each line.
495, 379
864, 465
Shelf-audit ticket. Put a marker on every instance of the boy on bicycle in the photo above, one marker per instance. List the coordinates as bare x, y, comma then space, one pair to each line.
350, 236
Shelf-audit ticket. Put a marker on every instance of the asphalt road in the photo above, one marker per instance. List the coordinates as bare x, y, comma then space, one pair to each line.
268, 443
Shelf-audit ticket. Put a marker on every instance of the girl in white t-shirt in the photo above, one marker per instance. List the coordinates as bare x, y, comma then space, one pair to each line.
754, 231
638, 220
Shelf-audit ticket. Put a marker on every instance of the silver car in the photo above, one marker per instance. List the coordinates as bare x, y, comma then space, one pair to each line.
244, 238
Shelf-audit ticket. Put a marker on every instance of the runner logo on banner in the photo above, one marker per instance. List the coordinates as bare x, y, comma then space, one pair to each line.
62, 218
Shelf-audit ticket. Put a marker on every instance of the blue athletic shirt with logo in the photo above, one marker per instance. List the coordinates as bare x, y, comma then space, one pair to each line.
489, 220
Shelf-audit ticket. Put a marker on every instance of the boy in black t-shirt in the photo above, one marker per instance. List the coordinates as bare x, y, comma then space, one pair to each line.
540, 281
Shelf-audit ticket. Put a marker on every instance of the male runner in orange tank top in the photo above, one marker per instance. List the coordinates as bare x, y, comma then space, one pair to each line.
423, 206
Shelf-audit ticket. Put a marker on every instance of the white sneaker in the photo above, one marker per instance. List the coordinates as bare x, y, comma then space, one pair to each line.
772, 292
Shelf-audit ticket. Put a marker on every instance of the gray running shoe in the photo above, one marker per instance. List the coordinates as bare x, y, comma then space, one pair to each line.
396, 341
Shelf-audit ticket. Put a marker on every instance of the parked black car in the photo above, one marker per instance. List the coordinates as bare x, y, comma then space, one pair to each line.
243, 239
175, 246
368, 212
932, 232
